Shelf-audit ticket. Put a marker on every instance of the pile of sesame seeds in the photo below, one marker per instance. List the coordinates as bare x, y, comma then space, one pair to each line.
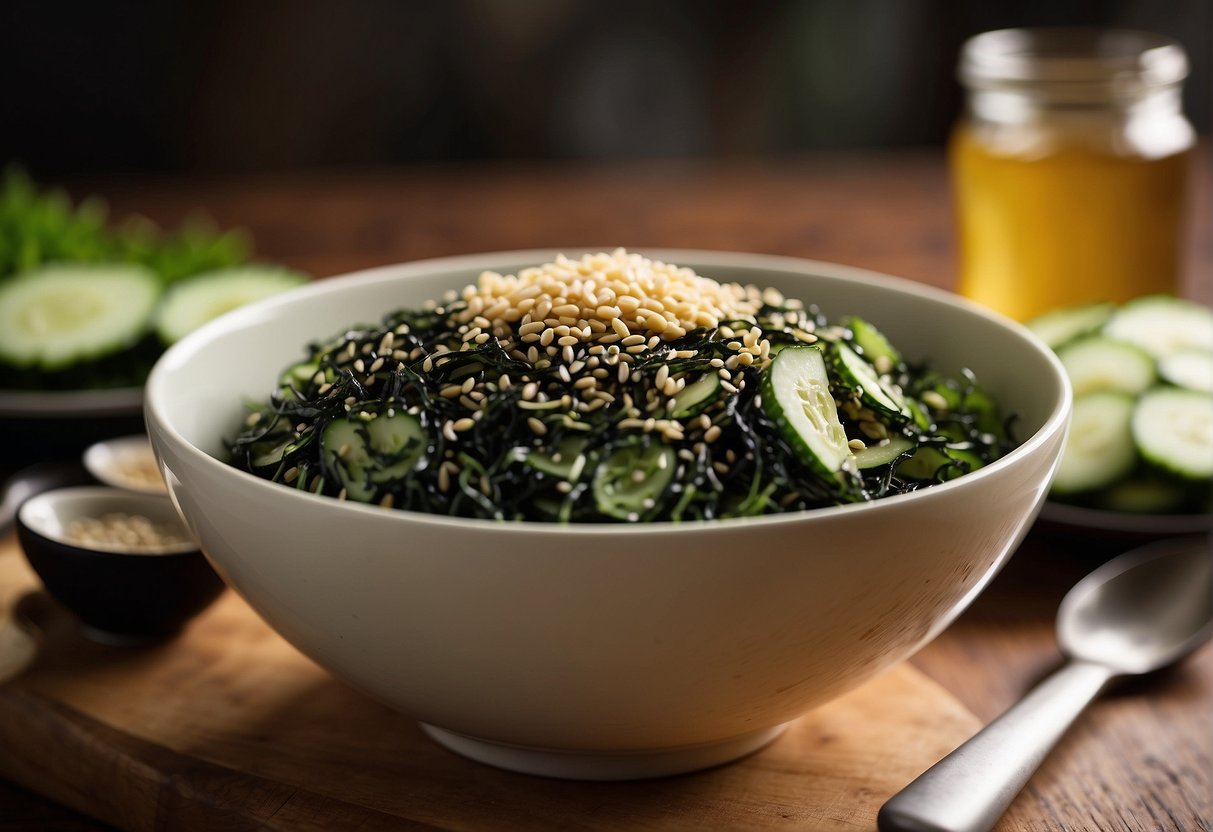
602, 298
123, 532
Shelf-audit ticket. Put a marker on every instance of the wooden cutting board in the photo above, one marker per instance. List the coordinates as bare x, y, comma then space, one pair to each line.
228, 727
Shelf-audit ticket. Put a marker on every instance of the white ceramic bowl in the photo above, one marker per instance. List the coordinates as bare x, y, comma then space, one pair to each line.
603, 651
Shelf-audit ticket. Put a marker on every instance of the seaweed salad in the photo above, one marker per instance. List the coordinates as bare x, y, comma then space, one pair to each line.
614, 388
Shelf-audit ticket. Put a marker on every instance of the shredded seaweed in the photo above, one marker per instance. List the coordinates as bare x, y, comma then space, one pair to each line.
497, 464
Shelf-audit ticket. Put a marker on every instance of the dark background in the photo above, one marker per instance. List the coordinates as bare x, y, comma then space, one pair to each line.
240, 85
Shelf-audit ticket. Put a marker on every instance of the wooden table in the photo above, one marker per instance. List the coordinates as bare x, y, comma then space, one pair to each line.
1141, 758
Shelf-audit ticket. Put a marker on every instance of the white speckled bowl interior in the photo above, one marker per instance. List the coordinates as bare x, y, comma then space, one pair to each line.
603, 651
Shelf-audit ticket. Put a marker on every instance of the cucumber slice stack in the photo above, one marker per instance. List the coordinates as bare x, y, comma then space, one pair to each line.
61, 323
1141, 439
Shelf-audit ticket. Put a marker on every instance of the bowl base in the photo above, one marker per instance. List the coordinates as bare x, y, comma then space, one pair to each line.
608, 765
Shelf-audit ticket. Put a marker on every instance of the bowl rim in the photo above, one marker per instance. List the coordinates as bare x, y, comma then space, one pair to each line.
1057, 420
121, 498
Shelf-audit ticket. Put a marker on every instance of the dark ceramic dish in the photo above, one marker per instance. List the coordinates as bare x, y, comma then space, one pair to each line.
118, 596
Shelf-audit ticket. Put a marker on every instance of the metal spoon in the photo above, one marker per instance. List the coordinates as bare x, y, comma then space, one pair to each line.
1137, 613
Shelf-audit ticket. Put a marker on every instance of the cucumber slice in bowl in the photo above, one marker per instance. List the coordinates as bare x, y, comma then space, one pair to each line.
369, 454
882, 453
1099, 449
60, 315
796, 395
196, 300
629, 483
1173, 430
862, 376
876, 347
696, 396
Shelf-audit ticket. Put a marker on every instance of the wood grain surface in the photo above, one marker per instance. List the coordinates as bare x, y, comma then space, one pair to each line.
230, 725
1140, 759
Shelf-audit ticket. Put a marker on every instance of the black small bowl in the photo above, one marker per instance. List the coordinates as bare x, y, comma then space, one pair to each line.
119, 596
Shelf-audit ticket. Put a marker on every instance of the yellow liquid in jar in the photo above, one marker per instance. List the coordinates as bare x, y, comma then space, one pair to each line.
1066, 226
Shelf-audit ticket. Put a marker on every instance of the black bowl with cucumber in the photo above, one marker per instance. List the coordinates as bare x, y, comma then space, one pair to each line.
1140, 449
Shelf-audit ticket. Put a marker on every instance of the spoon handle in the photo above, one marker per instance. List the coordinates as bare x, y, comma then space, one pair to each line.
968, 790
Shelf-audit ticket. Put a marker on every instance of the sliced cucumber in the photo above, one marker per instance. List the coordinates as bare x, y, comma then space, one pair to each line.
196, 300
1191, 368
696, 396
861, 375
1096, 362
1162, 324
1099, 449
271, 452
932, 463
561, 462
1173, 430
59, 315
873, 456
630, 482
1061, 326
369, 454
970, 400
876, 347
796, 395
300, 377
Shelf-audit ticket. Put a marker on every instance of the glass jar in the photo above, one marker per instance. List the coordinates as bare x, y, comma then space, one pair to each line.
1069, 167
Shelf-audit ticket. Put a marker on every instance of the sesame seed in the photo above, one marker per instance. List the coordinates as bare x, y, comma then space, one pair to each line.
935, 401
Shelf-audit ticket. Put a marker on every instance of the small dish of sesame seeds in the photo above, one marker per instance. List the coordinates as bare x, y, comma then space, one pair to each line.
125, 462
122, 562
